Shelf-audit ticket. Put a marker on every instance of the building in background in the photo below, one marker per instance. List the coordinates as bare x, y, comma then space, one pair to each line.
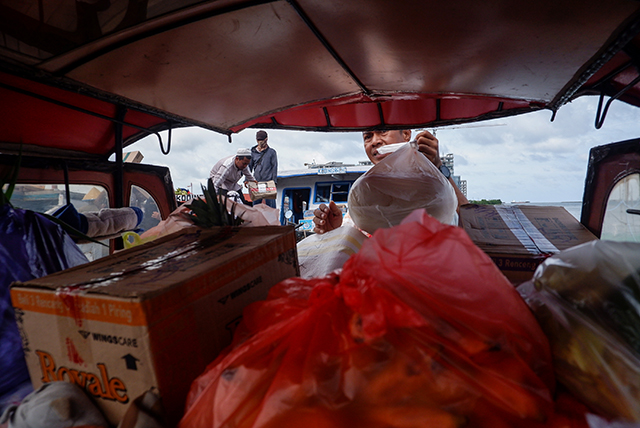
447, 160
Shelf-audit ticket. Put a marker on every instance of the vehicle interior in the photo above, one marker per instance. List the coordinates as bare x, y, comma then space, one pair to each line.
80, 81
83, 80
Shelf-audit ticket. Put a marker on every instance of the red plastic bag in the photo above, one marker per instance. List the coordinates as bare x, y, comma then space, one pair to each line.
419, 329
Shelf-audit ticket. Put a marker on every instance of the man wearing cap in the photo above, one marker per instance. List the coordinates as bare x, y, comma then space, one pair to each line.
227, 171
264, 164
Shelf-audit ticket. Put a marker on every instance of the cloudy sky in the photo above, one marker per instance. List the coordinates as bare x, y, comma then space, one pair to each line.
527, 157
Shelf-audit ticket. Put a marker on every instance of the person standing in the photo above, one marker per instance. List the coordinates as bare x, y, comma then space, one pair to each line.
264, 164
227, 171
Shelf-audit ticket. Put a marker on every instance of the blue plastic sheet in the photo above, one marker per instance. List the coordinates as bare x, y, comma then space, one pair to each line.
31, 246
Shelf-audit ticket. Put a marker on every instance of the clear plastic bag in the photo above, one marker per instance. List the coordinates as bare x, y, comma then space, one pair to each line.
401, 183
418, 329
587, 300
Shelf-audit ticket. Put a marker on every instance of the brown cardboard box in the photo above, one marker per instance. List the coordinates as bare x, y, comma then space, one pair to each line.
262, 190
151, 316
133, 157
520, 237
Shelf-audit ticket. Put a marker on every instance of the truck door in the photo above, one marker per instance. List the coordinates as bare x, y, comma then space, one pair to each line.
611, 202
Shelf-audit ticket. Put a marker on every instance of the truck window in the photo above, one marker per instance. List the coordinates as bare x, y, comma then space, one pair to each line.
340, 192
323, 193
142, 199
337, 192
46, 198
618, 223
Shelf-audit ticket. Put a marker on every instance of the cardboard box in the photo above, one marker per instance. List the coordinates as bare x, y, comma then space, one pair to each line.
133, 157
520, 237
262, 190
152, 316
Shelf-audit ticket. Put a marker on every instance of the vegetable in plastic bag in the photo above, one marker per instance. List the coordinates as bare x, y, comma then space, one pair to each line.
31, 246
401, 183
587, 300
419, 329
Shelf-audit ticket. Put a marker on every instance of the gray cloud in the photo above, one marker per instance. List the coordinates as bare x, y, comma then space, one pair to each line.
525, 157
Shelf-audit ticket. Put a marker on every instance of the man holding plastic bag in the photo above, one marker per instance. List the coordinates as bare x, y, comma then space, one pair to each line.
406, 176
394, 188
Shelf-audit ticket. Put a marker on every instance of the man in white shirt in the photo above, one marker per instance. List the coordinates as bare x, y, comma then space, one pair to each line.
227, 171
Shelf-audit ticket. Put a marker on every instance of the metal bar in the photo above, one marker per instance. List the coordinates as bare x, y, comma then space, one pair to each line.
166, 152
326, 116
600, 118
67, 191
621, 41
327, 45
118, 177
381, 115
612, 74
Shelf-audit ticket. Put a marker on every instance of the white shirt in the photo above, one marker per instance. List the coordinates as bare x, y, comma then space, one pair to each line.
225, 174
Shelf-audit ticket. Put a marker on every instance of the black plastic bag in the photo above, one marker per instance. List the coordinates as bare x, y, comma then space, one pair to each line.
31, 246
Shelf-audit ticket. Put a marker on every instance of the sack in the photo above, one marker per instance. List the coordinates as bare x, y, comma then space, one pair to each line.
401, 183
321, 254
262, 190
419, 328
587, 300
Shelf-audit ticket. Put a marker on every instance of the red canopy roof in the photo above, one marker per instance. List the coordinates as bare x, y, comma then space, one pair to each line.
68, 74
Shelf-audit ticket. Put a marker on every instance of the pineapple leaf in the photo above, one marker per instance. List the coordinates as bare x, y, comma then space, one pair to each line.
211, 211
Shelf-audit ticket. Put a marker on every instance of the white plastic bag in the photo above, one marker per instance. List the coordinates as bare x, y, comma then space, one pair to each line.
321, 254
401, 183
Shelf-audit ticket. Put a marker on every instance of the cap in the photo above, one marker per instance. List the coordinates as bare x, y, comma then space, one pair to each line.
244, 152
261, 135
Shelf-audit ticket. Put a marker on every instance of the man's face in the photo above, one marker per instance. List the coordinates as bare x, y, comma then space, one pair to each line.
262, 143
242, 162
375, 139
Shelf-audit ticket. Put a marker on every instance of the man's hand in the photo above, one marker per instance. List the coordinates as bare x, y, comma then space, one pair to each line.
327, 218
428, 144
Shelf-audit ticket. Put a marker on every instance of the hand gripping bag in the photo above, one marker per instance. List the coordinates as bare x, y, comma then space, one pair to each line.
401, 183
419, 329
